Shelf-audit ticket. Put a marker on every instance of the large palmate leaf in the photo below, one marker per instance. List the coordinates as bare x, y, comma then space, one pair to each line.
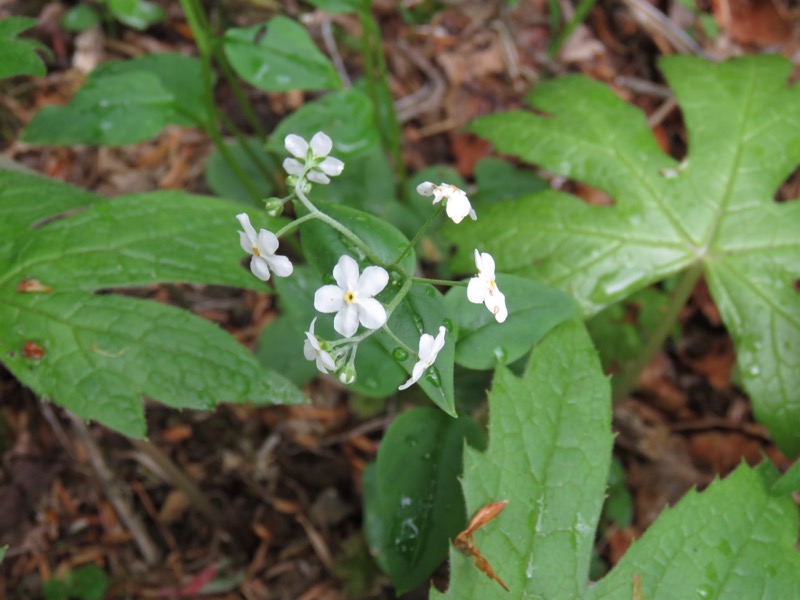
715, 212
98, 354
549, 451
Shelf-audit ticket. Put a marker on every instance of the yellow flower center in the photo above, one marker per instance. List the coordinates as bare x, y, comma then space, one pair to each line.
256, 251
349, 297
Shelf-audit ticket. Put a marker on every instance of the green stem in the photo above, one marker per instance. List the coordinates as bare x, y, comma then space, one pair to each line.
296, 223
376, 75
581, 12
267, 170
629, 378
238, 92
420, 233
446, 282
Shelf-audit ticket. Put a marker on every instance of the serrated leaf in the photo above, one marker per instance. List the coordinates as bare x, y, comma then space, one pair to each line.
279, 56
114, 110
19, 55
716, 211
533, 309
734, 540
549, 455
99, 354
416, 497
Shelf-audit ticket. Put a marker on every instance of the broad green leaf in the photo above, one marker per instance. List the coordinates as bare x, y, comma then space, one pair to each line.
279, 56
789, 481
87, 582
423, 311
19, 55
533, 310
139, 14
115, 110
416, 498
346, 117
323, 245
98, 354
715, 211
499, 180
549, 453
734, 540
181, 76
80, 18
224, 182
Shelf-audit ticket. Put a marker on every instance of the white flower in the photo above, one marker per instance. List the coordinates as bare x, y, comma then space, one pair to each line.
313, 351
483, 289
352, 298
429, 348
457, 204
262, 247
321, 145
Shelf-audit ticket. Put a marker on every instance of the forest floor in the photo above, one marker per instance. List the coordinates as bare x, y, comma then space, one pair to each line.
278, 515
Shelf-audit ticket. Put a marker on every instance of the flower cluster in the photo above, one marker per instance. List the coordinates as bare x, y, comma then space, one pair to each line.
352, 298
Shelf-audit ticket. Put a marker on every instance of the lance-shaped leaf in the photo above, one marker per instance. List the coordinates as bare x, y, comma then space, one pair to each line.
98, 354
549, 454
715, 211
19, 55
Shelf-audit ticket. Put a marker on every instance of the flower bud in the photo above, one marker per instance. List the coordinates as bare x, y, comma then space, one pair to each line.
274, 206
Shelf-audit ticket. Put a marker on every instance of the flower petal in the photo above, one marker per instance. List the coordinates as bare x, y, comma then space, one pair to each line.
308, 349
496, 303
458, 207
249, 231
321, 145
425, 188
331, 166
280, 265
477, 290
487, 266
478, 261
296, 146
346, 320
329, 298
438, 343
325, 362
372, 281
416, 373
318, 177
292, 166
346, 273
267, 242
246, 243
425, 347
259, 268
371, 313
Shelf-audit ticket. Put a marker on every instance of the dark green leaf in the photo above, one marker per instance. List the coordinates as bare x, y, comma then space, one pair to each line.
279, 56
139, 14
346, 117
533, 310
499, 180
114, 110
80, 18
416, 500
224, 182
341, 6
19, 56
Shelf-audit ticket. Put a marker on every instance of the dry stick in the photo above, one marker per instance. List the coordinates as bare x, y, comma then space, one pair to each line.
113, 489
179, 479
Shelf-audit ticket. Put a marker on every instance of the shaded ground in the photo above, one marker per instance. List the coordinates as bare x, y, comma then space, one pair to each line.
279, 510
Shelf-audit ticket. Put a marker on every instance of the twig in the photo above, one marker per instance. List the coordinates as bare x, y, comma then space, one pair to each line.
115, 493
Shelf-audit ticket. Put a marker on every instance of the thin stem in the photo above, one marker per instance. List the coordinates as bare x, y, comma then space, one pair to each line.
398, 341
401, 293
446, 282
420, 233
238, 92
267, 170
629, 378
296, 223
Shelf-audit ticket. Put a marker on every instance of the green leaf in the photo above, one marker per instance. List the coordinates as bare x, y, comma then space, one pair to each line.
99, 354
789, 481
549, 454
88, 582
139, 14
181, 76
3, 550
80, 18
341, 6
716, 209
323, 245
346, 117
424, 310
734, 540
279, 56
533, 310
416, 499
224, 182
499, 180
114, 110
19, 56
